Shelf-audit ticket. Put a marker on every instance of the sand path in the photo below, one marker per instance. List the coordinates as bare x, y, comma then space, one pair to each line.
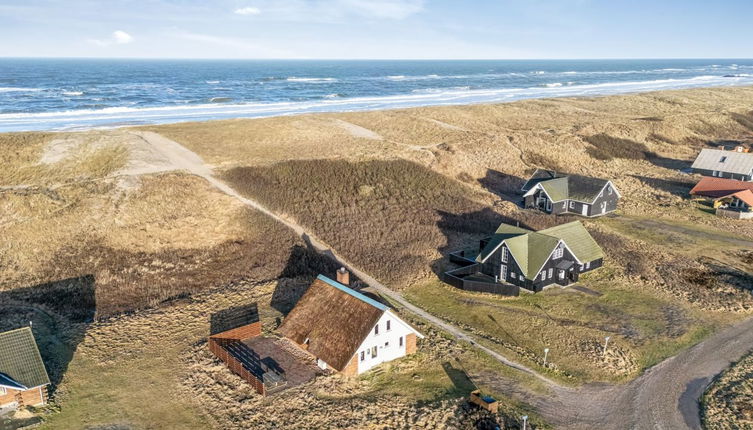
664, 397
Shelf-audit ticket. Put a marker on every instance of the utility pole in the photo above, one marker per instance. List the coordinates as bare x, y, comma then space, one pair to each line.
606, 343
525, 421
546, 353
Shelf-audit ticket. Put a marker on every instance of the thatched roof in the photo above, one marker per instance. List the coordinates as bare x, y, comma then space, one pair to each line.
334, 318
21, 366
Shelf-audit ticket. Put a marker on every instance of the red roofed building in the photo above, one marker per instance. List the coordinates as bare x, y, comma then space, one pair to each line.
733, 199
719, 187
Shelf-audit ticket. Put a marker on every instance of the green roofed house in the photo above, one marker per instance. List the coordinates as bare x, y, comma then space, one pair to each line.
515, 258
557, 194
23, 377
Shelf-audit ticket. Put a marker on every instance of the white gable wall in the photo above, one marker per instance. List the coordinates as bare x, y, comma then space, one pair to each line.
387, 343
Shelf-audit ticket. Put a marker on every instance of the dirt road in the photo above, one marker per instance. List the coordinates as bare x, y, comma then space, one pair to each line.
665, 397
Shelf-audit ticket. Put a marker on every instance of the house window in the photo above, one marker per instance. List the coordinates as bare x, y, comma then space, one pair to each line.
401, 341
504, 255
513, 275
581, 267
588, 264
376, 329
373, 351
386, 344
388, 325
572, 204
550, 273
503, 272
609, 190
543, 275
558, 252
363, 355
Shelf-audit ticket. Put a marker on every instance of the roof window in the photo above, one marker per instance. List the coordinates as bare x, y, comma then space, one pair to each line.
724, 158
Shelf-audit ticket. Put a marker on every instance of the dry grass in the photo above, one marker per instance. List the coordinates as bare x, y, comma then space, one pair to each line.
159, 237
395, 205
152, 369
637, 140
728, 403
393, 218
24, 164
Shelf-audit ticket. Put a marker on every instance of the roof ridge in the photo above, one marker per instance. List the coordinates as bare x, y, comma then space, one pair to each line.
352, 292
15, 329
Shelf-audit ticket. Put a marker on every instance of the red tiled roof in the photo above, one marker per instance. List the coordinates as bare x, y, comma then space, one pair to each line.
744, 195
719, 187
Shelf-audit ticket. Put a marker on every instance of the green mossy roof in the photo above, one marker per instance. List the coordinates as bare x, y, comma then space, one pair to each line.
532, 249
577, 238
20, 359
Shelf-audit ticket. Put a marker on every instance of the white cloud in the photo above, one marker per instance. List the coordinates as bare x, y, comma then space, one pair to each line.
121, 37
247, 11
118, 37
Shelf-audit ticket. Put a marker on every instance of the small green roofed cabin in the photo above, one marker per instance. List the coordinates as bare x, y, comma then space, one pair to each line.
23, 377
515, 257
558, 194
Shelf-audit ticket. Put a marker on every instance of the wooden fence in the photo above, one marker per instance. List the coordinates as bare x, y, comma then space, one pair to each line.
218, 344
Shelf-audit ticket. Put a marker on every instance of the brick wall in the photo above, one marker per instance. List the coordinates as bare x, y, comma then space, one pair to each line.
410, 344
351, 369
8, 397
31, 397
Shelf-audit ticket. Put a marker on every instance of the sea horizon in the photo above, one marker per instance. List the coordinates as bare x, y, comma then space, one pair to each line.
59, 94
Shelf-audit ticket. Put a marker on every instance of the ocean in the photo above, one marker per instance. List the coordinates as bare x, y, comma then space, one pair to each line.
73, 94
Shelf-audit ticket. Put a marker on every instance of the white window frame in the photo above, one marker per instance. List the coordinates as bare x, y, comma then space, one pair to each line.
588, 264
550, 273
609, 190
504, 254
558, 253
503, 272
513, 275
572, 204
543, 275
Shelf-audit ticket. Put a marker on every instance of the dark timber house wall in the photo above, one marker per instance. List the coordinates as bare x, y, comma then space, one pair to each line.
515, 258
559, 194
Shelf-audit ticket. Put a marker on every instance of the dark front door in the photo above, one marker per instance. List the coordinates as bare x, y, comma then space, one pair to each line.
573, 275
562, 277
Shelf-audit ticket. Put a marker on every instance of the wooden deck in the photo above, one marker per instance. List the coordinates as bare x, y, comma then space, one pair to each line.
277, 362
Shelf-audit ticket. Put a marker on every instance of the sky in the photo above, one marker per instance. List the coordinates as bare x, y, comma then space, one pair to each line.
378, 29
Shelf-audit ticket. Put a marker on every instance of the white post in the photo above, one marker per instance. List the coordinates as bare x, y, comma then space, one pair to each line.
546, 353
606, 343
525, 421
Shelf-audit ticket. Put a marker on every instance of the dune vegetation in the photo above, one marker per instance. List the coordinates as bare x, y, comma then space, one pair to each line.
728, 402
392, 191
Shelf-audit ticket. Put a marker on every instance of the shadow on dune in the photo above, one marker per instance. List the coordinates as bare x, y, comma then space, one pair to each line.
59, 313
303, 266
677, 188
